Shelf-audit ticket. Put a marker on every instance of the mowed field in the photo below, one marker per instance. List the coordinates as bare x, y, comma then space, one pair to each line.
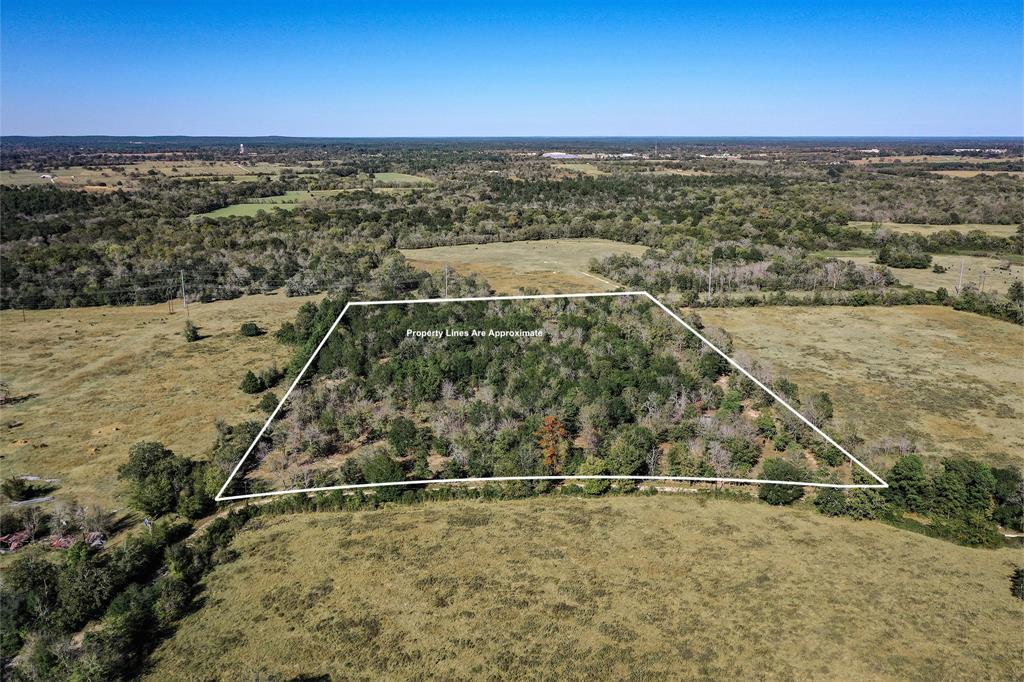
973, 173
920, 228
622, 588
126, 176
981, 271
583, 168
951, 381
547, 265
100, 379
287, 201
934, 158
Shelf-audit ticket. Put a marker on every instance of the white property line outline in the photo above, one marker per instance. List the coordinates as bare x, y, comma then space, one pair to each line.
221, 497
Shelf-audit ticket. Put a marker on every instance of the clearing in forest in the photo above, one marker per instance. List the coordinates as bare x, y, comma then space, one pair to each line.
542, 265
588, 387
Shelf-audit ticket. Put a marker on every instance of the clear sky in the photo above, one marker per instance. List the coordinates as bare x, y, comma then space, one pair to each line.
715, 67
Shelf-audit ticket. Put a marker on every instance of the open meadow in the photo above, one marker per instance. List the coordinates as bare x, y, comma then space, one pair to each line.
988, 274
127, 176
547, 265
93, 381
920, 228
664, 587
951, 381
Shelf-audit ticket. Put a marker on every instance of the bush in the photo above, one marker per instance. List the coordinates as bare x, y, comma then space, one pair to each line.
908, 485
161, 482
191, 332
592, 466
250, 329
628, 452
903, 258
780, 470
831, 502
381, 468
1017, 583
270, 375
268, 402
251, 383
17, 489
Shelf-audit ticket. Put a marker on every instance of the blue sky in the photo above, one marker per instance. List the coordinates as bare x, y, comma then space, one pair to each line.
449, 69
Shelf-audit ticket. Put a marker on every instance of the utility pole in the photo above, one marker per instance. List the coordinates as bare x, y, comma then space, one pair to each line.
184, 301
960, 284
983, 281
446, 280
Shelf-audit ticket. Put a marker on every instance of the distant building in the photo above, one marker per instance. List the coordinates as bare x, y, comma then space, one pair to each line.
241, 148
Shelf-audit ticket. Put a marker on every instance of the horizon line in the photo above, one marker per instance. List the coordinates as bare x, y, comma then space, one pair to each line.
851, 136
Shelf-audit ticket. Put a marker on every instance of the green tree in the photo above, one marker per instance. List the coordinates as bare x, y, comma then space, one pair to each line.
160, 482
402, 435
776, 469
268, 402
191, 332
593, 466
908, 485
251, 383
250, 329
831, 502
381, 468
628, 452
1017, 583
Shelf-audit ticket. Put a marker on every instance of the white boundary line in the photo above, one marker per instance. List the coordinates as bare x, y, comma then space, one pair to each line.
221, 497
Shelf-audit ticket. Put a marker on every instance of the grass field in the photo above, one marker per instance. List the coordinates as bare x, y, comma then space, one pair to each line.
977, 270
669, 587
101, 379
400, 179
128, 176
973, 173
548, 265
287, 202
932, 158
920, 228
951, 381
584, 168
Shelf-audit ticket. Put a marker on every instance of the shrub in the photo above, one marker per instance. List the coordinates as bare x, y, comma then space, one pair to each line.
864, 503
270, 375
831, 502
1017, 583
250, 329
17, 489
908, 485
161, 482
381, 468
191, 332
780, 470
629, 449
251, 383
268, 402
902, 258
592, 466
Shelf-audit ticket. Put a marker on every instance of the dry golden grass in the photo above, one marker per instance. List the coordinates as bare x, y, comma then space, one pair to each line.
931, 158
548, 265
127, 176
951, 381
102, 379
973, 173
669, 587
583, 168
990, 274
920, 228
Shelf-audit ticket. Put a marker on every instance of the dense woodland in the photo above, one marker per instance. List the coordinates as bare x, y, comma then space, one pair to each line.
758, 221
611, 386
